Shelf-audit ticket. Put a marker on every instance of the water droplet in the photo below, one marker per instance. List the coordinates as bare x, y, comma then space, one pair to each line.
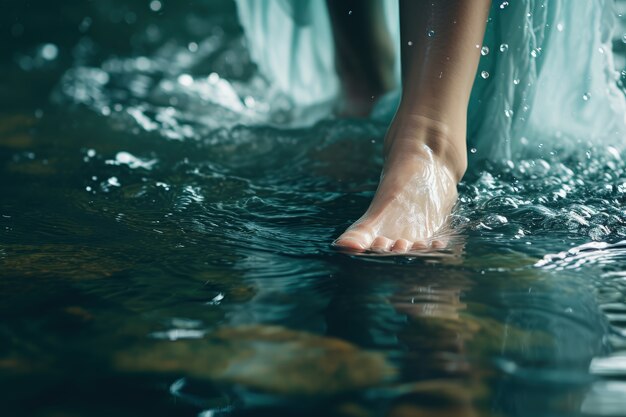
49, 52
410, 43
155, 5
508, 113
504, 4
504, 47
213, 77
185, 79
193, 47
249, 101
430, 33
484, 74
484, 50
142, 63
624, 38
614, 153
473, 150
535, 52
623, 73
586, 96
601, 50
559, 27
516, 81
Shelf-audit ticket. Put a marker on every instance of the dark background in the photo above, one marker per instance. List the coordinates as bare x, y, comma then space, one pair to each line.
88, 31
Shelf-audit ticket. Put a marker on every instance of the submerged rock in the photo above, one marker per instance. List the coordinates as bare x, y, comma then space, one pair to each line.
14, 131
269, 359
71, 262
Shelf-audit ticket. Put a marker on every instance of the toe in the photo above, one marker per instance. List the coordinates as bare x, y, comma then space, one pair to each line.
381, 244
419, 245
401, 246
353, 240
439, 244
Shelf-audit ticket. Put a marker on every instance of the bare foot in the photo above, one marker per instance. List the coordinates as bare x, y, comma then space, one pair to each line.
416, 194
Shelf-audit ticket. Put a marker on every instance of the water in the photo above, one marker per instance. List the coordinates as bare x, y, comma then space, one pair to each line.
164, 246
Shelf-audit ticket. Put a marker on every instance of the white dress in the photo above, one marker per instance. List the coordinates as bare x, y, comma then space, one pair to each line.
547, 85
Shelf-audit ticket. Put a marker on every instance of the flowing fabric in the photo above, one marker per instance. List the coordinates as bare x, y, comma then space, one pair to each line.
547, 84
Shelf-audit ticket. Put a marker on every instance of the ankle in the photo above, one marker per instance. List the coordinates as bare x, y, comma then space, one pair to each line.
444, 140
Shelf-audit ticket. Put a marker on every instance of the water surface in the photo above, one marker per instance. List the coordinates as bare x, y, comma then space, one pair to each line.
165, 248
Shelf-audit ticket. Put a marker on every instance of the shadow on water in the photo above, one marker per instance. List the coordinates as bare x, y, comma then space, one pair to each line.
165, 249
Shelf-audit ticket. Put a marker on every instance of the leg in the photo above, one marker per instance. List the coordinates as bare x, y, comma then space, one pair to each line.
364, 54
425, 151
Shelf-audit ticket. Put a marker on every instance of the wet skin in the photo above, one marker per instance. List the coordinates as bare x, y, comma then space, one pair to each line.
425, 150
415, 197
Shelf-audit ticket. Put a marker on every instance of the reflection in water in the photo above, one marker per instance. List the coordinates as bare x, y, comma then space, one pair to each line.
536, 342
435, 340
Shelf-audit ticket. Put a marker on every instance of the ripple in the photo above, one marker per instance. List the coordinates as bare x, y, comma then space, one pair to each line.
605, 398
613, 365
591, 253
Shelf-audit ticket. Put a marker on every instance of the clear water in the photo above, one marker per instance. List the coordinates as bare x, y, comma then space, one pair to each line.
164, 246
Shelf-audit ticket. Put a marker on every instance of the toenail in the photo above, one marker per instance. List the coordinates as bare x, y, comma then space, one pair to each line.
336, 242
